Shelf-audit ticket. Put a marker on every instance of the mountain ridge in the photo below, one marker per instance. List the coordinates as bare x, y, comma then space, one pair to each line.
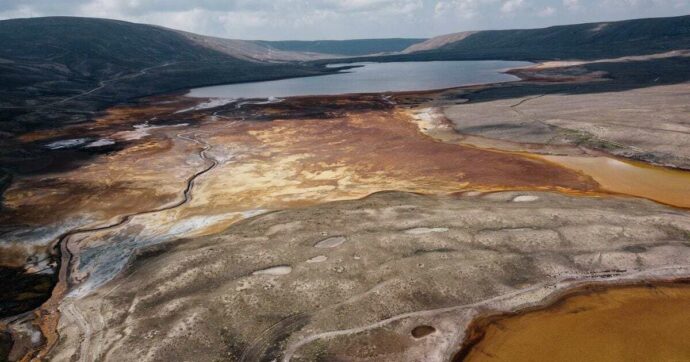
582, 41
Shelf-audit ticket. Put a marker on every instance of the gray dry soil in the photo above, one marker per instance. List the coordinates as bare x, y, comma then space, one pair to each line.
255, 292
650, 124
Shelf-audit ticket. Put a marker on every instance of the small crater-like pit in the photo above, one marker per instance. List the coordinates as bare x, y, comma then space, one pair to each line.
422, 331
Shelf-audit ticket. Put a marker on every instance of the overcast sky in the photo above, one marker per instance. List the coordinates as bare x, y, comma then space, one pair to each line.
346, 19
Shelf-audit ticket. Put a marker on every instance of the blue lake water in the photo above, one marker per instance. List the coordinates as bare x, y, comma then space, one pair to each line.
372, 78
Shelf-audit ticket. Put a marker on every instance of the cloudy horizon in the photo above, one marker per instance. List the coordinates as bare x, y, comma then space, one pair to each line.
347, 19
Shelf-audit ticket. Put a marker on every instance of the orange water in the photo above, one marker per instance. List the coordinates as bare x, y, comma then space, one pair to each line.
665, 185
618, 324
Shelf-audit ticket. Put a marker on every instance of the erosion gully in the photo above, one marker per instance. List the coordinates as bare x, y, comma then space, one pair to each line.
48, 314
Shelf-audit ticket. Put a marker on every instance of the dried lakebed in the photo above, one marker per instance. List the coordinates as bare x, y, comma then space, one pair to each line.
203, 299
300, 296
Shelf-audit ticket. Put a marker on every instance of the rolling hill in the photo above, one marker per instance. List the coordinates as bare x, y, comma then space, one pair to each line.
608, 39
60, 69
579, 41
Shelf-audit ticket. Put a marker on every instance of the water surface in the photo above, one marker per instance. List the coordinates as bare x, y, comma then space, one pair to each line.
619, 324
661, 184
372, 78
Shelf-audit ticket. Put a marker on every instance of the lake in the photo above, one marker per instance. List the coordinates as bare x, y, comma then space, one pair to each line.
372, 78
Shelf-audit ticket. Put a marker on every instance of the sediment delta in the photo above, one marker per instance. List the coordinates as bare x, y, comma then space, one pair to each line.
269, 156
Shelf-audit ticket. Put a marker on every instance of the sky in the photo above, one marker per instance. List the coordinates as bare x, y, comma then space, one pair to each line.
346, 19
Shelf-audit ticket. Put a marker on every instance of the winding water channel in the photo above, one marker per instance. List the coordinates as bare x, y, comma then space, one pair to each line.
49, 310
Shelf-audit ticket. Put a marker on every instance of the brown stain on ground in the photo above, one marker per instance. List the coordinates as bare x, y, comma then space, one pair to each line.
614, 176
622, 323
295, 153
333, 148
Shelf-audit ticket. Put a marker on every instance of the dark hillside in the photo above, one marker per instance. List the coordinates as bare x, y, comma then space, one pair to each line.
59, 69
580, 41
583, 41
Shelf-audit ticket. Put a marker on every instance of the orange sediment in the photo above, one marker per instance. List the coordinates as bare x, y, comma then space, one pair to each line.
612, 175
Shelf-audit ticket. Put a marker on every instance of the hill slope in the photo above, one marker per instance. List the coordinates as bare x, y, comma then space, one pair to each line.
252, 50
58, 69
580, 41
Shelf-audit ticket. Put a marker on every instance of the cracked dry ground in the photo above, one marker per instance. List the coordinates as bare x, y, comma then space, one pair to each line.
265, 288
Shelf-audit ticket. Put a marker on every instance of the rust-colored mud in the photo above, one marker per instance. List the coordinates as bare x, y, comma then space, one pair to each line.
294, 153
288, 163
614, 176
274, 156
628, 323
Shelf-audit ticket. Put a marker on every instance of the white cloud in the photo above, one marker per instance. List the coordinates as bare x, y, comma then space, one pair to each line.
19, 12
510, 6
462, 8
571, 4
547, 11
339, 19
368, 5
